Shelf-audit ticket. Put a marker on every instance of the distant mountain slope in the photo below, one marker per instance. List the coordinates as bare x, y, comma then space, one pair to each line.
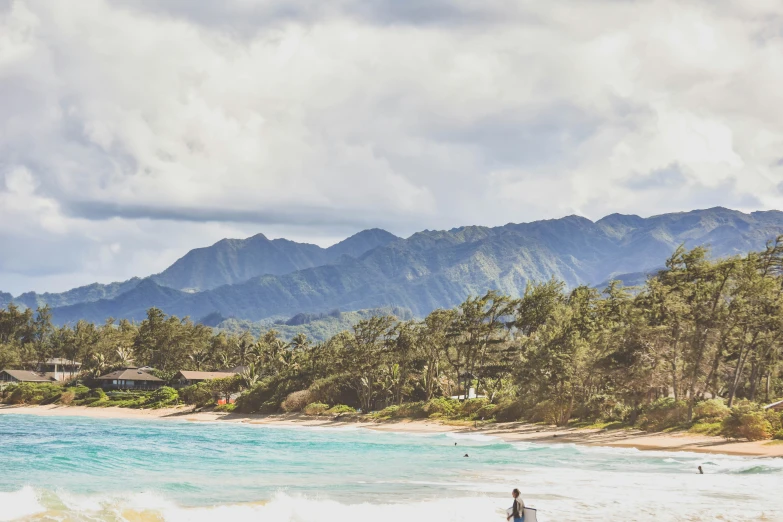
228, 261
317, 327
236, 260
81, 294
434, 269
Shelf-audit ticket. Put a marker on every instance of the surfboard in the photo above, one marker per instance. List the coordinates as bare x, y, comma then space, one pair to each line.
530, 514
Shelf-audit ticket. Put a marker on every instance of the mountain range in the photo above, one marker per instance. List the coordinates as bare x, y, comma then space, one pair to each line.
257, 278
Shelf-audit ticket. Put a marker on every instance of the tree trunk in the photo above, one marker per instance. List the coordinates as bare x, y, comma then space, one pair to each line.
737, 373
754, 378
766, 388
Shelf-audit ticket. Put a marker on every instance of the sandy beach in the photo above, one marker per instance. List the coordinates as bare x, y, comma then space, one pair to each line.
512, 432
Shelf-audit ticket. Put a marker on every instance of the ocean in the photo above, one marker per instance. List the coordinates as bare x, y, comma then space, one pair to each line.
85, 469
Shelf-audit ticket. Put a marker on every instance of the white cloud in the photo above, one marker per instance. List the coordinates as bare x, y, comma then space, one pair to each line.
133, 131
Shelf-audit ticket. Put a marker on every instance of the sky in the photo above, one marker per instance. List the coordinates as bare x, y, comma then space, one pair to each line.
132, 131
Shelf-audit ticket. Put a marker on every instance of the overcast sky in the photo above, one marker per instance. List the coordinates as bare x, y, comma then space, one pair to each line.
131, 132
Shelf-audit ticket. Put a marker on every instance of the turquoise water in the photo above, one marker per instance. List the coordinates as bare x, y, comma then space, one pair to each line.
74, 468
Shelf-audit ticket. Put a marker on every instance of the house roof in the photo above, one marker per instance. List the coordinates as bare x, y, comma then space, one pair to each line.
130, 374
59, 360
203, 376
27, 376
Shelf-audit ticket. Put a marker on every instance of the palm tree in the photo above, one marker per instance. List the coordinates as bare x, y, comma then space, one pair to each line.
125, 355
249, 375
199, 359
98, 364
300, 342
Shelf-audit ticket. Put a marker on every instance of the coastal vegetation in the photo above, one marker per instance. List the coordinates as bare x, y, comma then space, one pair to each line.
697, 346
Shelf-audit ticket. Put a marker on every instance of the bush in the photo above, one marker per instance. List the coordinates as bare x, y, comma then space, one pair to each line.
603, 407
713, 410
33, 393
258, 399
778, 435
663, 413
198, 395
340, 409
227, 408
316, 408
545, 412
441, 406
707, 428
67, 397
80, 391
162, 397
746, 421
509, 410
297, 401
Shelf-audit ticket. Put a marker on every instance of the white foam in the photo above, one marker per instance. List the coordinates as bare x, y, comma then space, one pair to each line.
18, 504
478, 437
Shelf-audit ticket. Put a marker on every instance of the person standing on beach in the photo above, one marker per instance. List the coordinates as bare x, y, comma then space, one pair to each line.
517, 509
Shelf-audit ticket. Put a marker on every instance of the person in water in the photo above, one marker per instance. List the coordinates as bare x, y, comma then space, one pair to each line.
701, 471
518, 508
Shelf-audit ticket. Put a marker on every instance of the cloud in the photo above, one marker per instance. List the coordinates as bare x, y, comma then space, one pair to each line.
133, 131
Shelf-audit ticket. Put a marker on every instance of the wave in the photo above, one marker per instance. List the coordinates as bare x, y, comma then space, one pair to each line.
20, 504
477, 437
281, 508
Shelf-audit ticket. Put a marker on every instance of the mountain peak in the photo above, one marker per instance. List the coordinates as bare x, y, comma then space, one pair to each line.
361, 242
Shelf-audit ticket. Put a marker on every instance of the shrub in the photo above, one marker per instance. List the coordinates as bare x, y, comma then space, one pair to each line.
746, 422
545, 412
80, 391
388, 411
316, 408
257, 399
707, 428
340, 409
162, 397
602, 406
227, 408
297, 401
775, 419
663, 413
441, 406
509, 411
67, 397
778, 435
471, 407
34, 393
198, 394
754, 426
93, 396
713, 410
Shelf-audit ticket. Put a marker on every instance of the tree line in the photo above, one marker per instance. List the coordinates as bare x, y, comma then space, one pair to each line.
698, 329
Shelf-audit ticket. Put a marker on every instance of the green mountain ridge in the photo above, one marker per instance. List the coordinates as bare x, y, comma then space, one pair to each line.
226, 262
434, 269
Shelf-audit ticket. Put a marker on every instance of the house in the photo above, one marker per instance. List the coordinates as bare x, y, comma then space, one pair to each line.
187, 378
60, 369
130, 378
775, 406
10, 376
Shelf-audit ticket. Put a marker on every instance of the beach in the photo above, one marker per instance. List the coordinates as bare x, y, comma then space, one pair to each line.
508, 432
108, 464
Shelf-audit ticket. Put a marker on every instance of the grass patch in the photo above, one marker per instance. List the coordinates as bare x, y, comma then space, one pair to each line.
706, 428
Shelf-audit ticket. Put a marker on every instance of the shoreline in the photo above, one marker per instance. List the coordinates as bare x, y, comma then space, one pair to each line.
508, 432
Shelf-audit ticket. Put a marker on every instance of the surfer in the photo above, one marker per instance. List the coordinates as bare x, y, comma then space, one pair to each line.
701, 471
517, 510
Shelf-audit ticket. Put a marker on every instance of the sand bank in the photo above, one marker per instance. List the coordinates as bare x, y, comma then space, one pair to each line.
511, 431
